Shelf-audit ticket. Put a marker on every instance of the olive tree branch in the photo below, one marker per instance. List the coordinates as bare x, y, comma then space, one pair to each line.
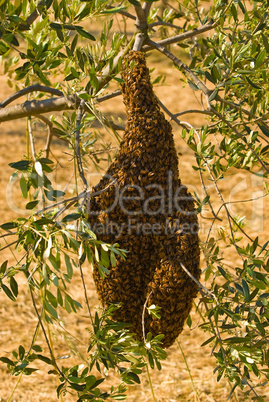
201, 287
143, 318
122, 12
141, 25
239, 135
196, 111
206, 91
31, 137
51, 133
34, 107
53, 360
72, 200
163, 23
78, 145
181, 37
239, 227
108, 96
27, 90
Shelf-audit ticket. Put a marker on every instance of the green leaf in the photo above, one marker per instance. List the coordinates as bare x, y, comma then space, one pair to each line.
21, 352
208, 340
31, 204
59, 297
113, 259
14, 286
3, 48
3, 267
104, 258
83, 33
260, 58
189, 321
71, 217
245, 290
113, 10
24, 186
9, 225
213, 95
7, 361
52, 299
69, 266
50, 310
264, 130
67, 305
37, 348
8, 292
21, 165
44, 359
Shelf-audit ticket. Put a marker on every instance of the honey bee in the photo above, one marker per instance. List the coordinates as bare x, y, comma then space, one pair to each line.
146, 155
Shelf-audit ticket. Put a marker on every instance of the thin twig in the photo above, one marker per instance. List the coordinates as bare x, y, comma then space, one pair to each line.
124, 13
108, 96
207, 92
150, 384
46, 337
188, 369
51, 132
234, 202
31, 137
73, 200
143, 317
163, 23
85, 293
78, 145
239, 135
8, 245
201, 287
207, 112
209, 202
181, 37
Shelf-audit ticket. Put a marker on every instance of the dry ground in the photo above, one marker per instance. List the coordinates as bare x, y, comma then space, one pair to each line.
18, 321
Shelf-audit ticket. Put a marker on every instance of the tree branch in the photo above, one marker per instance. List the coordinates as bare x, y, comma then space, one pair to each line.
124, 13
108, 96
141, 25
25, 91
163, 23
239, 135
207, 92
207, 112
78, 146
34, 108
181, 37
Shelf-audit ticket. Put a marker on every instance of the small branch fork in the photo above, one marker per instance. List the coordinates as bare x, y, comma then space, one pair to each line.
141, 25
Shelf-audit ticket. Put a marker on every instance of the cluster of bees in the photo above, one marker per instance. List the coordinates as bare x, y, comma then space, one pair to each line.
144, 181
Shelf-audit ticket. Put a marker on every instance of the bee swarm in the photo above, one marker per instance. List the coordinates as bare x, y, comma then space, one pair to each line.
147, 210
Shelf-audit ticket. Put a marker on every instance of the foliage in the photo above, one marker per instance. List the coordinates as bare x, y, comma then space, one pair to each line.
47, 50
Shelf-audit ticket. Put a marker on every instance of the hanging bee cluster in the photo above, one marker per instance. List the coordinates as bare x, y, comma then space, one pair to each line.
141, 204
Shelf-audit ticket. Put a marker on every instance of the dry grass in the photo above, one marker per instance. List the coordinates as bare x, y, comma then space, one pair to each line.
18, 320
